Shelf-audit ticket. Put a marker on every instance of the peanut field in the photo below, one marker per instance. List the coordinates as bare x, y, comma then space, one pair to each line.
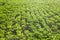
29, 19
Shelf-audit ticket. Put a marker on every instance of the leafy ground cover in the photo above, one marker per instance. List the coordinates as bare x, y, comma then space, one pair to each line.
29, 19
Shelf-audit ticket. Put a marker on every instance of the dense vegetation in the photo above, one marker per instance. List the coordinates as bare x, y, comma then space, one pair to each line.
29, 20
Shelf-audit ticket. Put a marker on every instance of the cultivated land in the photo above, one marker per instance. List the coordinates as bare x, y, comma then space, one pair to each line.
29, 19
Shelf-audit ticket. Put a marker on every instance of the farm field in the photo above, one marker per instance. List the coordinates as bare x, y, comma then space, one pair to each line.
29, 19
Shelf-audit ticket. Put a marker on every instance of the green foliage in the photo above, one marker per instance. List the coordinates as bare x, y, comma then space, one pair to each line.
29, 20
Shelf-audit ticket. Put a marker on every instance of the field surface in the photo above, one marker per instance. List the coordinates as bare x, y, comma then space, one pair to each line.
29, 19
